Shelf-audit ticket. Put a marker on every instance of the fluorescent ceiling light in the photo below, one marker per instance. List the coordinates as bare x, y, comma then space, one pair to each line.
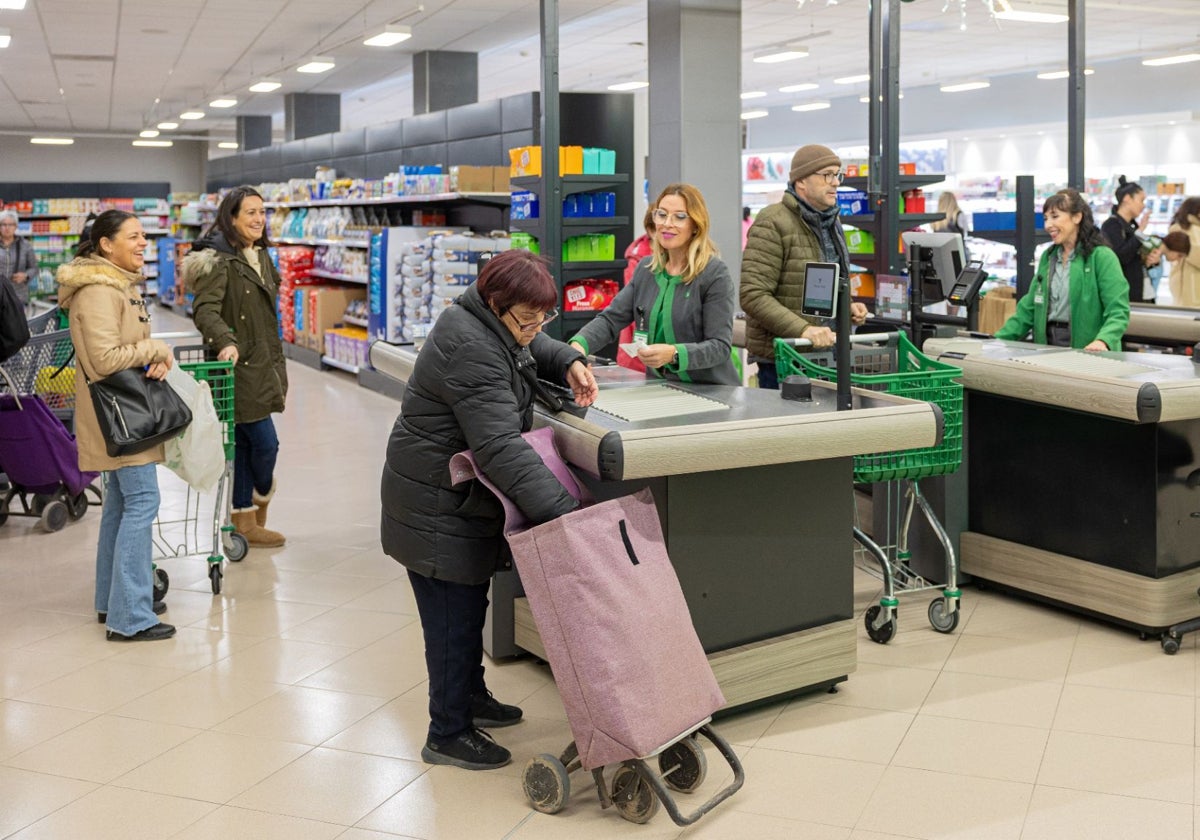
12, 4
192, 115
1171, 59
819, 105
853, 80
390, 36
319, 64
959, 88
5, 37
148, 133
629, 86
753, 94
168, 126
266, 86
155, 144
227, 144
799, 87
51, 141
1032, 17
1062, 74
225, 102
786, 54
754, 115
868, 98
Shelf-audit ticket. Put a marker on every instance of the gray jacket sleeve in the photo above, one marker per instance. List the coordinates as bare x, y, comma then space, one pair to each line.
606, 327
716, 303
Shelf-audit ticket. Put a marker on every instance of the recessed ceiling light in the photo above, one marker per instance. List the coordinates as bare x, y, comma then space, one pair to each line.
780, 55
154, 144
51, 141
318, 64
964, 86
853, 80
819, 105
629, 86
226, 102
12, 4
799, 87
754, 115
192, 115
1171, 59
266, 86
1124, 125
5, 37
390, 36
168, 126
753, 94
227, 144
1062, 74
148, 133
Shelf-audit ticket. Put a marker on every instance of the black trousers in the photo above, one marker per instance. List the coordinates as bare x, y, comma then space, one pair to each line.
452, 616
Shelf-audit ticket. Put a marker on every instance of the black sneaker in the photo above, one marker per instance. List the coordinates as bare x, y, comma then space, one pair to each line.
472, 750
489, 713
150, 634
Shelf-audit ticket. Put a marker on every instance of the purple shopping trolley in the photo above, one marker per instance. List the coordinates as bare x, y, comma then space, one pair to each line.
633, 677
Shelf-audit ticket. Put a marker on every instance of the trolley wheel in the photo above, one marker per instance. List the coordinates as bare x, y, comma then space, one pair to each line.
40, 500
77, 505
162, 582
547, 784
633, 798
1170, 644
214, 575
54, 515
882, 634
237, 548
942, 621
683, 765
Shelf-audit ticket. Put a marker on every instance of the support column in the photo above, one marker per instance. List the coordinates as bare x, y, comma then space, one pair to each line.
695, 109
443, 79
883, 178
1076, 97
309, 114
253, 132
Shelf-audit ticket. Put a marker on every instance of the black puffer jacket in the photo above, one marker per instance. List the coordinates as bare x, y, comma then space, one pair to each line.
472, 388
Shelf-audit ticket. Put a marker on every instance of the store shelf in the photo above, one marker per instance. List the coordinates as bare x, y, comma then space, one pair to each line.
334, 363
358, 322
906, 219
601, 265
906, 182
486, 197
571, 184
333, 275
345, 243
592, 223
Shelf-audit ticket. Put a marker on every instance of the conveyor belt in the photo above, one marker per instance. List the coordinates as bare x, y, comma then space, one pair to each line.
1085, 363
653, 402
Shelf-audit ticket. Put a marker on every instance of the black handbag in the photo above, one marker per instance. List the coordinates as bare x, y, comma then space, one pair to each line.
136, 412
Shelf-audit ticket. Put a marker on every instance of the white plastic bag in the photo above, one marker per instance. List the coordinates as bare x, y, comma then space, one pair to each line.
198, 455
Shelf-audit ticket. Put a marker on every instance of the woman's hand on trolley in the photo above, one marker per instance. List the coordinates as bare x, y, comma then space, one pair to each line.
583, 384
228, 353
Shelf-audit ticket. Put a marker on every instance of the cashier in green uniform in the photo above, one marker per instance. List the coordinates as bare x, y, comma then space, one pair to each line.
680, 299
1079, 297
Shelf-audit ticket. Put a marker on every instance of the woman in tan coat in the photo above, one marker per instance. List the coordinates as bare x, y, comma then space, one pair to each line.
1185, 273
110, 329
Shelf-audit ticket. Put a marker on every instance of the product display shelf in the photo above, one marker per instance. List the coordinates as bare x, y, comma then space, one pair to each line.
334, 363
480, 197
333, 275
345, 243
358, 322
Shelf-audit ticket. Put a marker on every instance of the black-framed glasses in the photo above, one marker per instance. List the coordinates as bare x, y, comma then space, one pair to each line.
547, 317
832, 177
661, 216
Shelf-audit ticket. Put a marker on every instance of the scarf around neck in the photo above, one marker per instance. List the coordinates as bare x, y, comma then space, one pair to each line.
827, 226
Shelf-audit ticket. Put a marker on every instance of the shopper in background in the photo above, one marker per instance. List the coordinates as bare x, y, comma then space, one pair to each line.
637, 251
473, 387
746, 222
1185, 276
18, 262
1079, 297
804, 227
953, 220
1129, 215
110, 329
680, 300
236, 286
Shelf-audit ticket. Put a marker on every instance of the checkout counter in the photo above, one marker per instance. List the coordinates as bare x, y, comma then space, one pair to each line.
1165, 326
1084, 479
754, 495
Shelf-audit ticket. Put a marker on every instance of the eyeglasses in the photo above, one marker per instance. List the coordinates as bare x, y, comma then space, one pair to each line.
832, 177
535, 325
661, 216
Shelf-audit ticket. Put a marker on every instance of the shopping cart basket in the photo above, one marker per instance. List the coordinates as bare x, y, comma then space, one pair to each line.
199, 523
633, 677
889, 363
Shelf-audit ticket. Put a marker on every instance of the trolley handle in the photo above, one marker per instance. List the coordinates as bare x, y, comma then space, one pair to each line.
857, 338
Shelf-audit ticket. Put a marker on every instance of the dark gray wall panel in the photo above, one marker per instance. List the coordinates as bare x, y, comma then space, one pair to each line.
476, 120
351, 166
269, 158
480, 151
291, 152
318, 149
433, 154
514, 139
379, 164
352, 142
423, 129
518, 112
383, 138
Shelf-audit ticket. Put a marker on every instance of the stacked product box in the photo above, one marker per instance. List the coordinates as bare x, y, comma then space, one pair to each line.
294, 263
398, 281
455, 262
347, 345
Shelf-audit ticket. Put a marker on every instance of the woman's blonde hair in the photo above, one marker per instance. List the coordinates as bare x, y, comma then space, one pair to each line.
701, 249
948, 205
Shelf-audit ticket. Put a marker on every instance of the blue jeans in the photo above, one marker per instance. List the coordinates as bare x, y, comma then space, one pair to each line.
124, 557
452, 616
768, 377
256, 448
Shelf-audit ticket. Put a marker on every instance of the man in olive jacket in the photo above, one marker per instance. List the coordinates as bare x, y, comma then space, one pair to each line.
785, 237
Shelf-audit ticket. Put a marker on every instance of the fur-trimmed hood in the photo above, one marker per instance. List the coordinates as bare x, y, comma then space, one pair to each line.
207, 252
88, 271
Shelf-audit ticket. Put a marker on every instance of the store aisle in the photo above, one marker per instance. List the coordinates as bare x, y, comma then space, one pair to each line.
292, 705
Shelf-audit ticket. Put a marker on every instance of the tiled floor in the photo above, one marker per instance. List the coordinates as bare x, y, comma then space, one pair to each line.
292, 705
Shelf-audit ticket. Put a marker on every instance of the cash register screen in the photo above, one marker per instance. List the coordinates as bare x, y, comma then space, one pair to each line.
891, 297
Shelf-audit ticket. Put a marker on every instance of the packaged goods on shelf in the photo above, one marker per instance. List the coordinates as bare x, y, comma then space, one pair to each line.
337, 259
525, 242
318, 308
572, 160
466, 179
347, 345
853, 202
590, 205
589, 247
590, 294
524, 205
860, 241
599, 161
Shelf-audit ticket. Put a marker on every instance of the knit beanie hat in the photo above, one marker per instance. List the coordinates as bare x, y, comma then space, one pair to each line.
811, 158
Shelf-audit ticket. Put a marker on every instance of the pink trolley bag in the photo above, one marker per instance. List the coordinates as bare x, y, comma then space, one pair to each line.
633, 677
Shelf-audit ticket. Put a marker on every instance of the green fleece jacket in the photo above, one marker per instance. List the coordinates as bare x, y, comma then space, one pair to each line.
1099, 301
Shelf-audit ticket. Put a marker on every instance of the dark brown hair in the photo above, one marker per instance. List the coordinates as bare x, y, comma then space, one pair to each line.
104, 226
517, 277
1071, 202
1190, 207
1178, 242
231, 206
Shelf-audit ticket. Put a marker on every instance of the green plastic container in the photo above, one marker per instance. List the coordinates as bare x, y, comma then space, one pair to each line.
905, 371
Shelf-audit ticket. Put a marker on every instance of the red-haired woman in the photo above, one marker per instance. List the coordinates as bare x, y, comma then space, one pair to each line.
473, 387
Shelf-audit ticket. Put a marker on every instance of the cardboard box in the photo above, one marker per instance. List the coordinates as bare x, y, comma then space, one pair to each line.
996, 307
320, 308
471, 179
500, 179
862, 284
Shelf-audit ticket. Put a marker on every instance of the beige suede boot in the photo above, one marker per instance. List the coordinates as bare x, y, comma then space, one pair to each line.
260, 515
245, 523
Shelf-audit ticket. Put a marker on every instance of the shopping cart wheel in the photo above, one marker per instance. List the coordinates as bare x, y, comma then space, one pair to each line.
54, 515
162, 582
547, 784
683, 765
236, 548
882, 634
214, 576
942, 621
40, 500
1170, 643
77, 505
633, 798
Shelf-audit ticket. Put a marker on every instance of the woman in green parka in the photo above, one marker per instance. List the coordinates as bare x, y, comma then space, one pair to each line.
1079, 297
236, 286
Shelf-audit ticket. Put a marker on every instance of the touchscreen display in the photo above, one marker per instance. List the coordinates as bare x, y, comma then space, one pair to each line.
820, 288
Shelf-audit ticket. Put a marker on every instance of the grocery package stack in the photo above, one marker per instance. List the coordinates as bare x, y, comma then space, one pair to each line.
338, 259
455, 261
412, 285
347, 345
295, 263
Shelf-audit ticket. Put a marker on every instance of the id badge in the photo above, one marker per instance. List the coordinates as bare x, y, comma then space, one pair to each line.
641, 338
1039, 299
